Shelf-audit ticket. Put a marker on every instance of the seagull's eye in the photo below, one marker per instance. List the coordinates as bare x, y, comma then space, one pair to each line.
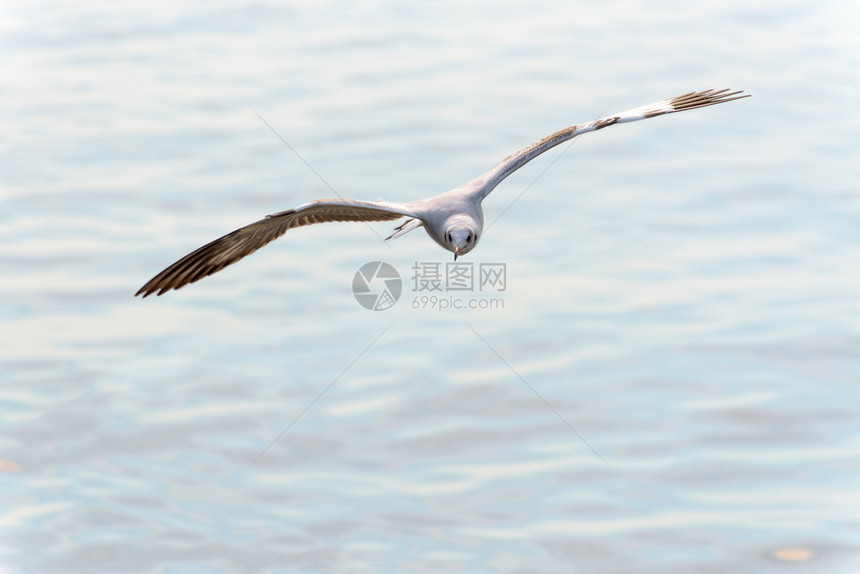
448, 237
469, 238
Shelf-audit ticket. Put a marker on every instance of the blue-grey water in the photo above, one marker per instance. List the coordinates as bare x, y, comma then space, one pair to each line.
667, 382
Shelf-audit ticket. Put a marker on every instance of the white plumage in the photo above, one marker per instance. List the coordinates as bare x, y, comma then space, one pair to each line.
453, 219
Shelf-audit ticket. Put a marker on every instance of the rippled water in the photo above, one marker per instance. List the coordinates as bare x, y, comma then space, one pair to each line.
669, 384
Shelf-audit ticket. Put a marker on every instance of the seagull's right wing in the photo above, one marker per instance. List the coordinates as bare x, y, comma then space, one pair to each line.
688, 101
234, 246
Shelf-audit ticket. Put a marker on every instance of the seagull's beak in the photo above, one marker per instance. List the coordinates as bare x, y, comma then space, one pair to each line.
456, 252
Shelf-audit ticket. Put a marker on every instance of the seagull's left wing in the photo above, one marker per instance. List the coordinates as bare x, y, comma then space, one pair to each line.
234, 246
683, 103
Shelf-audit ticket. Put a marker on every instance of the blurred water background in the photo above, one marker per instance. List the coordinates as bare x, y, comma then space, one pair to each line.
669, 385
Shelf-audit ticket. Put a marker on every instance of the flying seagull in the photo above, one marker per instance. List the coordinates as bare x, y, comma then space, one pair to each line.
453, 219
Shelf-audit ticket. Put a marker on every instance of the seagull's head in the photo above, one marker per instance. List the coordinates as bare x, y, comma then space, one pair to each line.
461, 239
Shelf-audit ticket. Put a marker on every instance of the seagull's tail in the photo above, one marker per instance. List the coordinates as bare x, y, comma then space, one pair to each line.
405, 228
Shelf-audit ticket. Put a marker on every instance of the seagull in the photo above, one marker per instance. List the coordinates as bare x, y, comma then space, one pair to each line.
453, 219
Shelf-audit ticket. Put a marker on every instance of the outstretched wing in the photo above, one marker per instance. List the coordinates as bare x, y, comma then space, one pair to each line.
689, 101
217, 255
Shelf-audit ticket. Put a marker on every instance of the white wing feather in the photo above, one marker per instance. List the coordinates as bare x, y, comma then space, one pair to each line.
682, 103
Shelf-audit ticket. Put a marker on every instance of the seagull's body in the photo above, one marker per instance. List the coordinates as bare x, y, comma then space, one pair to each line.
453, 219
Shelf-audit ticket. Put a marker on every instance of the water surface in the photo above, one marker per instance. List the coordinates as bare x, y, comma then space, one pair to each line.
670, 384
